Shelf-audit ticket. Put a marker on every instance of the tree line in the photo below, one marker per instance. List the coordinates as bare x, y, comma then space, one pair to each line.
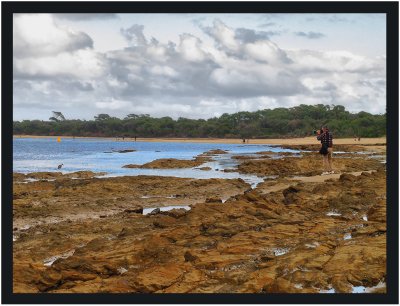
299, 121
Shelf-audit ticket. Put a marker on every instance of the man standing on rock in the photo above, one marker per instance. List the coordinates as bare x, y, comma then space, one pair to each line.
326, 140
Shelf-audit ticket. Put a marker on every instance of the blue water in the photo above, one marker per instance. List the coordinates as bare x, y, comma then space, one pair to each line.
45, 154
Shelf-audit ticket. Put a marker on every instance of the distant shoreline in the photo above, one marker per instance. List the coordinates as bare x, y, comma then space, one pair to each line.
277, 141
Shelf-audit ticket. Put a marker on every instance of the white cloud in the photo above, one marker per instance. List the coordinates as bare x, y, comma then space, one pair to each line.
135, 35
267, 51
163, 71
334, 61
238, 70
223, 35
114, 105
38, 35
157, 52
191, 48
44, 49
310, 35
81, 64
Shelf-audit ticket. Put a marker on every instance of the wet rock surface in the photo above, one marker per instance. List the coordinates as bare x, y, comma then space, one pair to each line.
215, 152
21, 177
283, 236
204, 168
171, 163
41, 202
310, 163
125, 151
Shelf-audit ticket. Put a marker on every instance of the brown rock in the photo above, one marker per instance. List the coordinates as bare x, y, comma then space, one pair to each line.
213, 200
377, 212
164, 221
176, 213
189, 257
49, 279
155, 212
280, 285
214, 152
132, 166
307, 165
126, 151
168, 163
83, 174
341, 285
347, 177
252, 242
204, 168
158, 278
138, 210
291, 195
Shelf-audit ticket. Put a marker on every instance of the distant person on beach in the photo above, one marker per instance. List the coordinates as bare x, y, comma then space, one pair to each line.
326, 139
135, 138
244, 140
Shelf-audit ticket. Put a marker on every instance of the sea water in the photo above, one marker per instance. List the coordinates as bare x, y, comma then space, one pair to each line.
100, 155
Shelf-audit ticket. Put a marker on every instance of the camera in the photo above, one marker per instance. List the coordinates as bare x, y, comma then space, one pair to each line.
316, 132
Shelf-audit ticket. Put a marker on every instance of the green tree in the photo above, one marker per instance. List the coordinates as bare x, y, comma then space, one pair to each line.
101, 117
297, 121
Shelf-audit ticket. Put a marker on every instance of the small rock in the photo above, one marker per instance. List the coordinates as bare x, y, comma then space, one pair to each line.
347, 177
123, 232
176, 212
280, 285
267, 257
217, 151
126, 151
164, 221
366, 174
290, 195
189, 257
131, 166
341, 285
213, 200
134, 210
155, 211
204, 168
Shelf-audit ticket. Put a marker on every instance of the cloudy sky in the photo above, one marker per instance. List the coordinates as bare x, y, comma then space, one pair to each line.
195, 65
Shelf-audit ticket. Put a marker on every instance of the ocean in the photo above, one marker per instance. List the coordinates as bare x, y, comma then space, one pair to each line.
100, 155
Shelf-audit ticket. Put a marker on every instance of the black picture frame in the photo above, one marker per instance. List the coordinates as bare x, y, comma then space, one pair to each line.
389, 8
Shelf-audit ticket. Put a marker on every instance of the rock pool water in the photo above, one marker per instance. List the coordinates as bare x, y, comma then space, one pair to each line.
146, 211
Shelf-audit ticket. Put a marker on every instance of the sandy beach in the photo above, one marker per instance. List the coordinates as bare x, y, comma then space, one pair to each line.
278, 141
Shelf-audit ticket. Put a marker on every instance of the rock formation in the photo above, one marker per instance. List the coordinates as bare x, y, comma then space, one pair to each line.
89, 235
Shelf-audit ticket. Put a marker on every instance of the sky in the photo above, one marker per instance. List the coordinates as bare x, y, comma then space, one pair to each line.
195, 65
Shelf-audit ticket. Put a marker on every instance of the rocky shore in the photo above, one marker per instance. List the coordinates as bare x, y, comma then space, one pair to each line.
170, 163
298, 232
